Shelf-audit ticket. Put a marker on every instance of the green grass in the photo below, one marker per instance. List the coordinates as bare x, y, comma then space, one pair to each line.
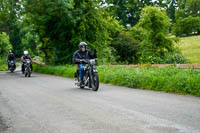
190, 47
168, 79
3, 65
65, 71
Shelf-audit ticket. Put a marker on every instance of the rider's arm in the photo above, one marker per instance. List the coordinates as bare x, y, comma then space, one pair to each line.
30, 58
14, 57
22, 59
75, 58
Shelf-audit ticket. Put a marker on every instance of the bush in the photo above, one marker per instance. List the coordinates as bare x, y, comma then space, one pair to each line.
126, 48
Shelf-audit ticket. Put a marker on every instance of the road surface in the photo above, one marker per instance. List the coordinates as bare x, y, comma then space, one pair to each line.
52, 104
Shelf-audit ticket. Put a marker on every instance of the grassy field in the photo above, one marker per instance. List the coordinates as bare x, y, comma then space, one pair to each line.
190, 47
169, 79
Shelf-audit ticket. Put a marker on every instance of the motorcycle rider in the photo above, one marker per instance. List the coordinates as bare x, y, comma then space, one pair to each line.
82, 53
11, 57
24, 57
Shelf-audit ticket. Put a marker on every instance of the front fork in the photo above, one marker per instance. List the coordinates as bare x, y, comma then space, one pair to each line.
91, 73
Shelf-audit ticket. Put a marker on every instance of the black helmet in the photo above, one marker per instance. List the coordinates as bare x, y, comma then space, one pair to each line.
82, 44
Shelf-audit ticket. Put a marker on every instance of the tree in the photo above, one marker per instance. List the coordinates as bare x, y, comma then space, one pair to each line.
193, 7
185, 26
10, 13
54, 23
61, 25
5, 45
187, 18
155, 46
29, 37
127, 11
172, 6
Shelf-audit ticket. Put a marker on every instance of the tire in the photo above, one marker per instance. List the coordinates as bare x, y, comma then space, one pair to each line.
29, 72
95, 79
82, 87
11, 70
26, 74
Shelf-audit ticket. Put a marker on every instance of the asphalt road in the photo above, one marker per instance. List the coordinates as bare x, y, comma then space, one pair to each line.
51, 104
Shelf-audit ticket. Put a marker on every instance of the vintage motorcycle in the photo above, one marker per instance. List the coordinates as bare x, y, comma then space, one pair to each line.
12, 65
91, 77
27, 67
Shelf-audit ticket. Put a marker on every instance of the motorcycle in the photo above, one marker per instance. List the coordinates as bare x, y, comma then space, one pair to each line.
27, 67
91, 77
11, 65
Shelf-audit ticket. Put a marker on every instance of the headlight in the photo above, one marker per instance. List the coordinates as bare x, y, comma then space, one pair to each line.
92, 61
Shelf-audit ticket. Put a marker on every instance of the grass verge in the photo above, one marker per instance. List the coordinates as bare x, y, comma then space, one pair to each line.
3, 65
168, 79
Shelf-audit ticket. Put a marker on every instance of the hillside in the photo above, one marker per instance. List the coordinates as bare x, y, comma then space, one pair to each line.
190, 47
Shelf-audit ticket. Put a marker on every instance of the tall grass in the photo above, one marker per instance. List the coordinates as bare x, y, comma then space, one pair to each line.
159, 79
3, 65
65, 71
168, 79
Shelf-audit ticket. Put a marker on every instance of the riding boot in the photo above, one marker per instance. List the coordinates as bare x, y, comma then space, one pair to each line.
82, 82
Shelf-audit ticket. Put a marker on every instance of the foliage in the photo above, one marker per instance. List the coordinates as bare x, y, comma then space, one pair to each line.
53, 29
187, 25
173, 4
128, 11
10, 13
126, 48
153, 28
169, 79
5, 45
63, 24
3, 65
187, 18
29, 37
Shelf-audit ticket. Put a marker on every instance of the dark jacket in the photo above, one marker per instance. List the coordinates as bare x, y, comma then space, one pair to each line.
26, 57
83, 55
11, 57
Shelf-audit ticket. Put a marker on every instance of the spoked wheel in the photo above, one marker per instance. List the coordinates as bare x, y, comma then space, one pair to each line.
95, 85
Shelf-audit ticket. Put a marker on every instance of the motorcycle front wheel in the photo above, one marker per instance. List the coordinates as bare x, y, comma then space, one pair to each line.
95, 85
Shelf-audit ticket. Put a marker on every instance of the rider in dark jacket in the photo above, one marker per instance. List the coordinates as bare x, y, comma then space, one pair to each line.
11, 57
82, 53
26, 56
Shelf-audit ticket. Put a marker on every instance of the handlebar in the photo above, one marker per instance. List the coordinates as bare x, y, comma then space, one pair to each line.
86, 60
